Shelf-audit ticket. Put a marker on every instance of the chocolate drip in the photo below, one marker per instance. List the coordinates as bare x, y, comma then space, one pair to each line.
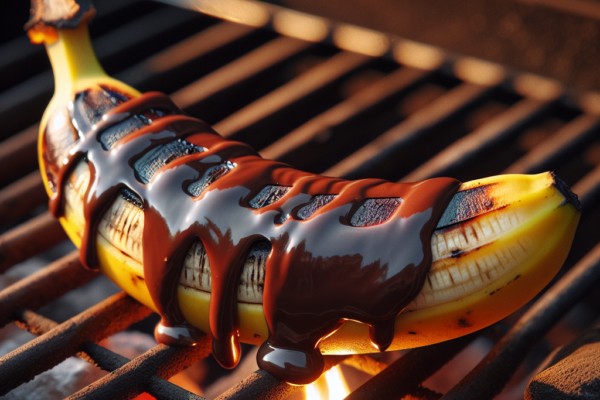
322, 270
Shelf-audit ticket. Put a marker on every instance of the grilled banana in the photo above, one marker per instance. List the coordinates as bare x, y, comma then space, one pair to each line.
499, 242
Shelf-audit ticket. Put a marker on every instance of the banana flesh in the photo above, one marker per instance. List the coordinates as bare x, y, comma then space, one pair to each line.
458, 269
472, 258
500, 242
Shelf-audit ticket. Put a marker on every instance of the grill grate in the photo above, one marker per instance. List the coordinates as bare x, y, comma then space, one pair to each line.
321, 109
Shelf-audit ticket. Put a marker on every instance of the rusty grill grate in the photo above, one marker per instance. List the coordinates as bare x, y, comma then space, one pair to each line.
318, 108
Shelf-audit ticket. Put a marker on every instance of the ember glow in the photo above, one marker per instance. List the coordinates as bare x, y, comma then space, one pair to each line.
330, 386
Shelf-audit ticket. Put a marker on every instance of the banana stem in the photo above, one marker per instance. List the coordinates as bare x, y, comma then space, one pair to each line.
73, 58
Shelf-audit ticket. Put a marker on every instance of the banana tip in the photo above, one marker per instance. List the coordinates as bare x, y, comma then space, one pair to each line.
570, 197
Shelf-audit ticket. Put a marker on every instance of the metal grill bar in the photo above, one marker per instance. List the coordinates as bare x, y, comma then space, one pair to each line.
106, 318
34, 93
392, 142
365, 363
261, 385
372, 96
18, 154
558, 146
106, 359
200, 44
494, 30
502, 127
133, 378
421, 393
588, 189
16, 51
30, 238
44, 286
31, 93
227, 77
134, 33
21, 197
414, 368
303, 86
148, 72
494, 371
19, 51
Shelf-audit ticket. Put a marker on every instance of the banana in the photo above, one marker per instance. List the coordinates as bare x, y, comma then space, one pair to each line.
499, 242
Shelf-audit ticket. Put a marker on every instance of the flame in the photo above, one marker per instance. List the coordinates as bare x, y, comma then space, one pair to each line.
338, 388
311, 392
330, 386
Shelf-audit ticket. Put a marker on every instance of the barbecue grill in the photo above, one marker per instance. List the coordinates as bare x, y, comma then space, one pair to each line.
328, 96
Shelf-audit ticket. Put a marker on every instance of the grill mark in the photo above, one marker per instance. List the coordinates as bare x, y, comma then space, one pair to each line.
216, 236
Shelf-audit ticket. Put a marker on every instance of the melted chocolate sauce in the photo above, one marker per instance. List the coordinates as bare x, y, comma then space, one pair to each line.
322, 271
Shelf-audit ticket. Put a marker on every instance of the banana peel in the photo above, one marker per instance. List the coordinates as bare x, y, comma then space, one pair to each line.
488, 260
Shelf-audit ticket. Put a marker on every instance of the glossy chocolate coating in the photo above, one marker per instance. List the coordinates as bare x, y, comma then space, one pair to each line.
322, 270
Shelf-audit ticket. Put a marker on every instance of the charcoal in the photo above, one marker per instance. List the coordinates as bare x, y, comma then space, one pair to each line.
573, 372
210, 176
375, 211
161, 155
316, 203
269, 195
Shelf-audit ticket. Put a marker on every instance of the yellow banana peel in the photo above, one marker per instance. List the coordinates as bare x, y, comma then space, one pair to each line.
502, 257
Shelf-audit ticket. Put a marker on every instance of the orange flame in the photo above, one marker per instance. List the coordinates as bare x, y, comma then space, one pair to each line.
330, 386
